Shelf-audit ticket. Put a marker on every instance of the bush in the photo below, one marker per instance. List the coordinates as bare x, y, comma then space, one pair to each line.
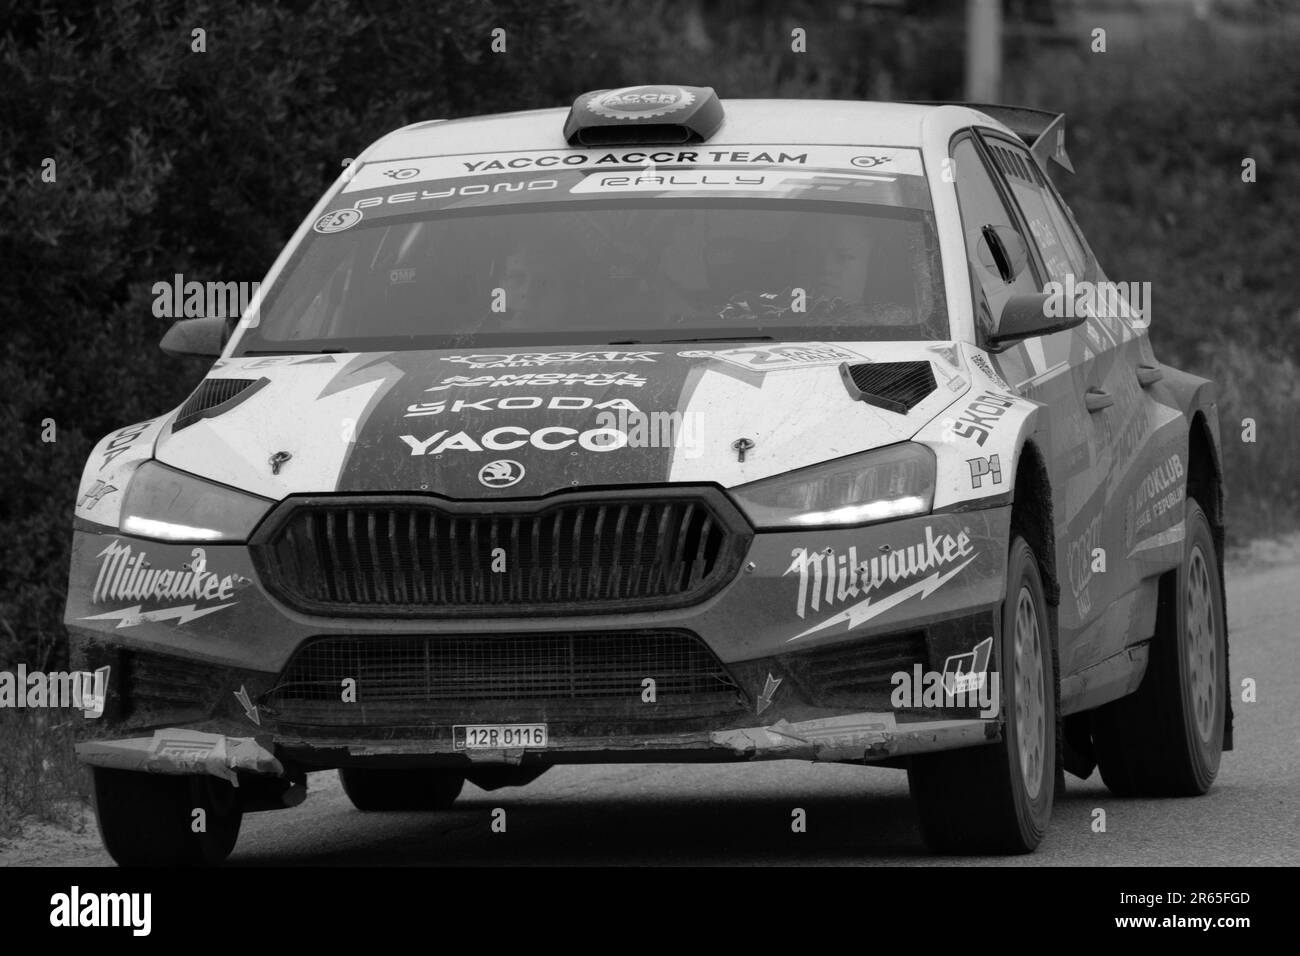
1158, 141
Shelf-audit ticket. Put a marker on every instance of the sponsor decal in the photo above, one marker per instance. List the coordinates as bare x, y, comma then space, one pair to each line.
81, 690
94, 493
592, 379
655, 182
980, 467
827, 580
773, 358
186, 749
125, 575
468, 189
965, 672
519, 403
123, 440
832, 157
337, 220
406, 172
640, 102
965, 681
534, 359
510, 437
983, 364
501, 473
1161, 490
979, 417
819, 164
663, 157
1079, 563
1131, 438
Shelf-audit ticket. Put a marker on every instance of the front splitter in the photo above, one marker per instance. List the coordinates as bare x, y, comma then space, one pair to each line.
863, 737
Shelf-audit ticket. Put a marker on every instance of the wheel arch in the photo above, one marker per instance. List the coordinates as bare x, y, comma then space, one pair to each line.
1032, 514
1196, 398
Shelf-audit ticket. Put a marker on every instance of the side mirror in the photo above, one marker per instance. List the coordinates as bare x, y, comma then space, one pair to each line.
1033, 314
1003, 252
203, 337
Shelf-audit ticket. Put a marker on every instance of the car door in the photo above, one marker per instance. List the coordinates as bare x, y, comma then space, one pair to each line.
1119, 414
1052, 369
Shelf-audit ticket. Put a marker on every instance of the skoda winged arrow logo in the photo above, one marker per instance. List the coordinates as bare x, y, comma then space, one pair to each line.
501, 473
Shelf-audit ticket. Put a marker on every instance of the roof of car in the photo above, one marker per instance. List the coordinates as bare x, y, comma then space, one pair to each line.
774, 121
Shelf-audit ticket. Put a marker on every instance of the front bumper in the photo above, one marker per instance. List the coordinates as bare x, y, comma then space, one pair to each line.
805, 650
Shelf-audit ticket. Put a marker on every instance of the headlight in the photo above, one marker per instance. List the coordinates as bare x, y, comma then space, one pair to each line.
887, 483
170, 505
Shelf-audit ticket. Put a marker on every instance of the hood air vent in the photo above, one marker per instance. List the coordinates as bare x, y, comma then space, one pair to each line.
215, 396
893, 386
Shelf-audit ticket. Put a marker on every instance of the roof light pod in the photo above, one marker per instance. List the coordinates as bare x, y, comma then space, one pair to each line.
644, 116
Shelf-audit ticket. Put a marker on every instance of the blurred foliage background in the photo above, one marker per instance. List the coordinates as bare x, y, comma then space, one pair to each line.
204, 163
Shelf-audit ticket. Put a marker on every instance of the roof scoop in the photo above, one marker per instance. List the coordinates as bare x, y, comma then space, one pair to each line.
644, 116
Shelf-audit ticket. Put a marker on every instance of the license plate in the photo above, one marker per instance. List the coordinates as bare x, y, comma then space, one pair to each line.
498, 736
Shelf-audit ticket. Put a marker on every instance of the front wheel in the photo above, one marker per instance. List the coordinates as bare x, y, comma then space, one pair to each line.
148, 819
998, 798
1166, 738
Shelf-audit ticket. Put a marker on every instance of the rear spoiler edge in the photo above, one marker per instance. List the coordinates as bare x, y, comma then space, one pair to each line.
1041, 130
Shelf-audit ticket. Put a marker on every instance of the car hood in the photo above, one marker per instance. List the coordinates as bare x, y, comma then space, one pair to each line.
530, 422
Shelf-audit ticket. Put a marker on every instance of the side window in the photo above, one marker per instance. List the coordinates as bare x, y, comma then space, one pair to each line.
981, 205
1057, 244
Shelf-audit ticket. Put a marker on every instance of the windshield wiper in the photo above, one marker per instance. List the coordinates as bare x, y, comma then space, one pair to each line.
702, 338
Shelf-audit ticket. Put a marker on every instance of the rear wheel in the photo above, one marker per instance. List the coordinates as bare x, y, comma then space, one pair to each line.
998, 798
1166, 738
148, 819
394, 790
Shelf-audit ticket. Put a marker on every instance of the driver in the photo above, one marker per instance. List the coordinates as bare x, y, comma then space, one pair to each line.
840, 257
840, 265
536, 287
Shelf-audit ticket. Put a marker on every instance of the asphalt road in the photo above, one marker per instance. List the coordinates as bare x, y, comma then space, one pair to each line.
741, 814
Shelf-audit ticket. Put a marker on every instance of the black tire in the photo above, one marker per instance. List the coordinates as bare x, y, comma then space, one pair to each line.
147, 819
1166, 738
380, 791
979, 799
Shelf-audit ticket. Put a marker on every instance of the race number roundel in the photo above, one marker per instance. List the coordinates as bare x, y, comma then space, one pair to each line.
338, 220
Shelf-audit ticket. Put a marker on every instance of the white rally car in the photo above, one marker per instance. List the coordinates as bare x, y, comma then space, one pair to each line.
664, 429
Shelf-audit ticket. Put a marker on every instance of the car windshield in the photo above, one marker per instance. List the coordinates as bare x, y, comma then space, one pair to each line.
623, 257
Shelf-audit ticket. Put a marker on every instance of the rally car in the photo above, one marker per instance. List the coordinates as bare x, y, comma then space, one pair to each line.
664, 428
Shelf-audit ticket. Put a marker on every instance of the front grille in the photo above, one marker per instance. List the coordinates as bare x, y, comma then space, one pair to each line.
590, 683
423, 557
436, 669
